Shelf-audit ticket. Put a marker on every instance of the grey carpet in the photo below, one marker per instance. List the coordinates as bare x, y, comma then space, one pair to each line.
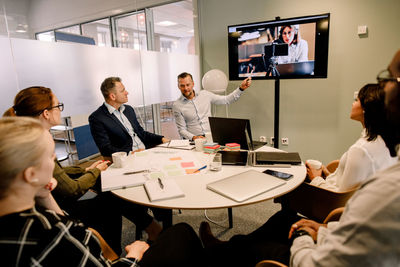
245, 220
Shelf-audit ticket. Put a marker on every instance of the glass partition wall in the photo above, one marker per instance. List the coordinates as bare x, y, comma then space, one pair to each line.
147, 48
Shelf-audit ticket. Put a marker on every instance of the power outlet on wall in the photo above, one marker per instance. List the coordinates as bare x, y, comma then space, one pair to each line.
285, 141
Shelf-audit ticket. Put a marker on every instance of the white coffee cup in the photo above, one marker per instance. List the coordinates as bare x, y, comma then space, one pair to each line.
209, 137
119, 159
315, 164
199, 142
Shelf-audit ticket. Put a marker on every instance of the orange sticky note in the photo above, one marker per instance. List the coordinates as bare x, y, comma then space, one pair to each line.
191, 171
177, 158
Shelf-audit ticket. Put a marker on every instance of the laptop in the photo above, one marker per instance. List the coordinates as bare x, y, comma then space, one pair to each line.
238, 158
284, 159
243, 186
232, 130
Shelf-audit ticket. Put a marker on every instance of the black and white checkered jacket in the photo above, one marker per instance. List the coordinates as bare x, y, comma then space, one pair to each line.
37, 237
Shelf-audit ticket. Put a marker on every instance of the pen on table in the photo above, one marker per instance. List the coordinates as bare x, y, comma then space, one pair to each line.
199, 169
135, 172
160, 183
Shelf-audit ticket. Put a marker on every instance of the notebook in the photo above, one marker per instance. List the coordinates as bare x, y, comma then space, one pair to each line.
243, 186
170, 189
114, 178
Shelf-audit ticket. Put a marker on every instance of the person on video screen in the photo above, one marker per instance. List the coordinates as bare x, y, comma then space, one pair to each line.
298, 48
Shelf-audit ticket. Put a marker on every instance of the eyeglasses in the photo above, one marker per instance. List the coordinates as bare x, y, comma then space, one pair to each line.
385, 76
287, 33
60, 106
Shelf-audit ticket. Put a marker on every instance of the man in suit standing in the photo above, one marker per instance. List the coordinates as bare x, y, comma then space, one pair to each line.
114, 125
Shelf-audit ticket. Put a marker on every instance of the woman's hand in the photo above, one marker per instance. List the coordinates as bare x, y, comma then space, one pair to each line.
136, 250
102, 165
312, 173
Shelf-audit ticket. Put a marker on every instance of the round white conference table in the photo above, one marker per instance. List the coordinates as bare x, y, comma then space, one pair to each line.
197, 196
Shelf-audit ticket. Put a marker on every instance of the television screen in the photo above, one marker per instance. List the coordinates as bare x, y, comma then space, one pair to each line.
285, 48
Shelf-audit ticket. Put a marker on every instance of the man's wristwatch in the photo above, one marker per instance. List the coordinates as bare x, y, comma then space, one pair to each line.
298, 233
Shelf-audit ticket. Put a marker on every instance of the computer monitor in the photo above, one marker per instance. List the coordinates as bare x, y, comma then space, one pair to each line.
231, 130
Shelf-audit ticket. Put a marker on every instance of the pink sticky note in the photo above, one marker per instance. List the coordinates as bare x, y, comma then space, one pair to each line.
187, 164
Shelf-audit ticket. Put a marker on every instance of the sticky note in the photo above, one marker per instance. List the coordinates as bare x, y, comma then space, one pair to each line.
170, 167
176, 158
187, 164
190, 171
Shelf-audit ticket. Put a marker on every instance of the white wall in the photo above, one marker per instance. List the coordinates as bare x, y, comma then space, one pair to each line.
314, 113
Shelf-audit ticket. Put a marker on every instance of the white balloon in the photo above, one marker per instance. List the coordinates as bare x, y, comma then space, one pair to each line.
215, 81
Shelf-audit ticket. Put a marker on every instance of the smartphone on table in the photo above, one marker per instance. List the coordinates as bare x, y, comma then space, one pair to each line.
282, 175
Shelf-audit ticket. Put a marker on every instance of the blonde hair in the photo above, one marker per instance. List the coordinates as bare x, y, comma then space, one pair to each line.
21, 146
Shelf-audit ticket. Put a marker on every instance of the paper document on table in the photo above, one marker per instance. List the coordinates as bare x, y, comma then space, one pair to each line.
178, 144
114, 178
166, 190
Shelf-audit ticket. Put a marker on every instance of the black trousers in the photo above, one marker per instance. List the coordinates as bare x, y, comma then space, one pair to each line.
177, 246
104, 213
268, 242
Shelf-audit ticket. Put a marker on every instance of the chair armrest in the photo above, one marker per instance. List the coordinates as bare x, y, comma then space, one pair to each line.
315, 202
108, 252
332, 166
334, 215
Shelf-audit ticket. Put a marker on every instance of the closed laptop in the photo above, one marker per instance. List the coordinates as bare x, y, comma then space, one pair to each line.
266, 158
243, 186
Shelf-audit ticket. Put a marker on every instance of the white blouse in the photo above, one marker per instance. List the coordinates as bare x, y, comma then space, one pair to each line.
363, 159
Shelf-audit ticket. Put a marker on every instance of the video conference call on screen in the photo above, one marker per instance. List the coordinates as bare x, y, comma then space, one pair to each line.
285, 48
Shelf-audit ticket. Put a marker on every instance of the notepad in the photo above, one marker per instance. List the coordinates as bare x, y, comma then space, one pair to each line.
156, 193
114, 179
243, 186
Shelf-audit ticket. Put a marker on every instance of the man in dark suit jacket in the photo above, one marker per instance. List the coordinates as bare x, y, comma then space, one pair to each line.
114, 126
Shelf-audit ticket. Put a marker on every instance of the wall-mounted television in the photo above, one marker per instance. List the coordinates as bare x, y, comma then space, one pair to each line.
284, 48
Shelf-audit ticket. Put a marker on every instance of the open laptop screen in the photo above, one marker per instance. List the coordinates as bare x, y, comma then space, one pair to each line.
231, 130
